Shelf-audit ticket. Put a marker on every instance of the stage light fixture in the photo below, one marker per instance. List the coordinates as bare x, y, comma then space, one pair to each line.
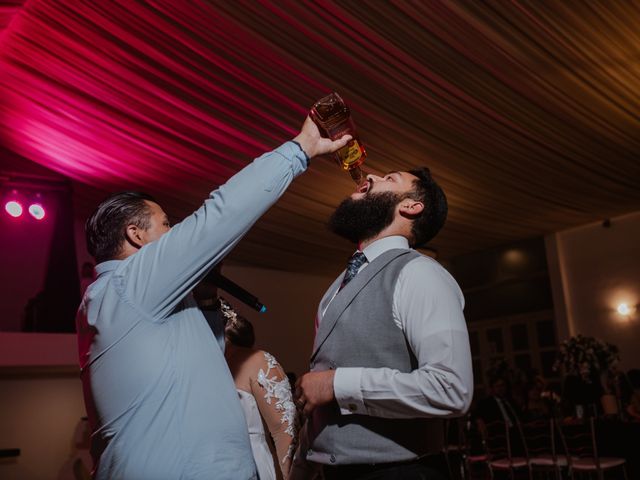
13, 208
35, 194
37, 211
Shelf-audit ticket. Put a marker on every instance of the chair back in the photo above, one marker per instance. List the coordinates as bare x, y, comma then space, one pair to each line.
455, 447
496, 438
453, 433
540, 439
579, 439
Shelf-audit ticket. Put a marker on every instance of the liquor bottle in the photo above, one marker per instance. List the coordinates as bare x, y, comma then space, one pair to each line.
333, 118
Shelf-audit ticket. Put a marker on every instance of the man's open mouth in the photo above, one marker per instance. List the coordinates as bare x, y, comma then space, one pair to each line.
365, 187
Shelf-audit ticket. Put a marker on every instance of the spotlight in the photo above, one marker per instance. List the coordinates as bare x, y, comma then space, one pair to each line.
37, 211
13, 208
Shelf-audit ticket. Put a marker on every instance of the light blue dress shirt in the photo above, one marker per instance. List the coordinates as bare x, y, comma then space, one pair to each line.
157, 389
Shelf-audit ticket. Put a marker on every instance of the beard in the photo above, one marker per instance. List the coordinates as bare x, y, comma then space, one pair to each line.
358, 220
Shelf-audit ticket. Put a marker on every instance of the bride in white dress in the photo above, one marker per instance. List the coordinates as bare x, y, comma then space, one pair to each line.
265, 395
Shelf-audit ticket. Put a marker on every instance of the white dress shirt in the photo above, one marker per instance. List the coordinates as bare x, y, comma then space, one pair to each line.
427, 307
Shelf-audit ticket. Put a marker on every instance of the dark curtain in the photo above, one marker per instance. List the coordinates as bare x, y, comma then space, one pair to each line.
53, 308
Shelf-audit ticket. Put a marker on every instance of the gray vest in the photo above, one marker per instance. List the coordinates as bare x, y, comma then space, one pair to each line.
358, 330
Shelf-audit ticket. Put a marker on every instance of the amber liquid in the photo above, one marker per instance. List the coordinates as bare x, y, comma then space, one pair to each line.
333, 118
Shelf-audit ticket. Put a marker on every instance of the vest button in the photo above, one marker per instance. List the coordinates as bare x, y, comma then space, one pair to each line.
332, 458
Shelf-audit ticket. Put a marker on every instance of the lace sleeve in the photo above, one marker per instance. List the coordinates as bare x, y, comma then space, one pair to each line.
273, 396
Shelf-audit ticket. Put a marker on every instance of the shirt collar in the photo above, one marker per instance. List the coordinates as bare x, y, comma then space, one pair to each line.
107, 266
378, 247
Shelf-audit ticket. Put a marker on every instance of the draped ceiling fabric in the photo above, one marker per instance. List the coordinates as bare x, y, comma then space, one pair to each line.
527, 112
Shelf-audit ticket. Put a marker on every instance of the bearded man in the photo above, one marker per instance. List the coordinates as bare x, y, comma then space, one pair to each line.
391, 357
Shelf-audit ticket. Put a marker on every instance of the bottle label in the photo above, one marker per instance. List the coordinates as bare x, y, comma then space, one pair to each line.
350, 154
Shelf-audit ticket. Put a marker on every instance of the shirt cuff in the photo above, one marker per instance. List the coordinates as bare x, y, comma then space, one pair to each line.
293, 155
346, 388
302, 150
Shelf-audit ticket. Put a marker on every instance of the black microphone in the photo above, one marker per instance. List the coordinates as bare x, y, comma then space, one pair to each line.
236, 290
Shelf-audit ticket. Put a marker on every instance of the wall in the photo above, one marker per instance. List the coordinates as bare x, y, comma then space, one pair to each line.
40, 412
599, 268
287, 328
506, 280
509, 309
40, 403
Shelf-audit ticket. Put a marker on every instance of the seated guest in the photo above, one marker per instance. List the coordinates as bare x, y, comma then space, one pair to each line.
497, 405
633, 409
541, 400
265, 395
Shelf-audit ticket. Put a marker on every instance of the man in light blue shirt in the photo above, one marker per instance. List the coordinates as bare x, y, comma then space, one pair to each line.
160, 399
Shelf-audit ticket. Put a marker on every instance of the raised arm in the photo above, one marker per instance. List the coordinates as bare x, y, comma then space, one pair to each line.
161, 273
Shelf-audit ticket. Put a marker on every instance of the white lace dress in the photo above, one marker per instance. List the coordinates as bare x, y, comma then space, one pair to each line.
270, 399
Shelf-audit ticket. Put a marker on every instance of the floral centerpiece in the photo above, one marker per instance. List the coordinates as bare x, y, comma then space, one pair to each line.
586, 357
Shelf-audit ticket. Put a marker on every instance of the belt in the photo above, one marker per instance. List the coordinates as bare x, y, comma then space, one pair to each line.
350, 471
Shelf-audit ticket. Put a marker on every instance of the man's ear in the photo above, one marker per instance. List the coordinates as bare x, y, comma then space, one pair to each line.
411, 208
134, 237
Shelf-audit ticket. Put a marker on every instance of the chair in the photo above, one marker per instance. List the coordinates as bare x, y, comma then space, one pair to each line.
498, 442
453, 448
541, 441
582, 449
460, 454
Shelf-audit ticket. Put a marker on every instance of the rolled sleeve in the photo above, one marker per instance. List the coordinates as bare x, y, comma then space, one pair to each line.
347, 390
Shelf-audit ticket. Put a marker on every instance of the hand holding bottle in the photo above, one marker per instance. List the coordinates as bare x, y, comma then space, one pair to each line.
333, 118
315, 144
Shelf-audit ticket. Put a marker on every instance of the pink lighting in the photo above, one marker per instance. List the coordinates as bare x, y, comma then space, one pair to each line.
37, 211
13, 208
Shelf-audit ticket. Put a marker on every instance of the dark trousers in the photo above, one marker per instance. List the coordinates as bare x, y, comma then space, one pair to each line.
433, 467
